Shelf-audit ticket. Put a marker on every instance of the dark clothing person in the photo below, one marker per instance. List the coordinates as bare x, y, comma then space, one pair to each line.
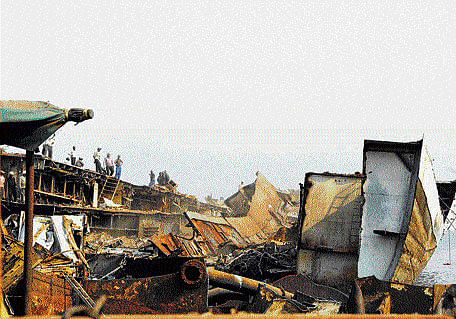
73, 155
163, 178
166, 178
96, 160
160, 179
2, 185
12, 187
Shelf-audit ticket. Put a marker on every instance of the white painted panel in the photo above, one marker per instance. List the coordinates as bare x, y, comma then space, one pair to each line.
385, 191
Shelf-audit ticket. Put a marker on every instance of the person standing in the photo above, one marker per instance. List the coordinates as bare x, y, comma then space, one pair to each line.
12, 187
73, 155
166, 178
109, 165
48, 146
152, 179
96, 158
118, 162
22, 186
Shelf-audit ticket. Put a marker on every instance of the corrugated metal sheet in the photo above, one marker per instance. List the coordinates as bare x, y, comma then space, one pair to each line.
215, 231
266, 214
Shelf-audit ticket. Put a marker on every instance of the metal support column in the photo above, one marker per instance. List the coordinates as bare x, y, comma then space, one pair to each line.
28, 241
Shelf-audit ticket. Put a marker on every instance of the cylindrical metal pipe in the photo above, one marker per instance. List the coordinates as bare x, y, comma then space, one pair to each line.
242, 284
28, 240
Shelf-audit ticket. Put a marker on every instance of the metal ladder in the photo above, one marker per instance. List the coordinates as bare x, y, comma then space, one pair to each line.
88, 301
109, 188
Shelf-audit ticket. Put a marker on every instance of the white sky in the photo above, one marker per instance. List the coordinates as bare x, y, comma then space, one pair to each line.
213, 91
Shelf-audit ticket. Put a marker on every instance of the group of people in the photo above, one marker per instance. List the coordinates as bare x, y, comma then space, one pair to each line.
162, 179
12, 186
109, 164
74, 159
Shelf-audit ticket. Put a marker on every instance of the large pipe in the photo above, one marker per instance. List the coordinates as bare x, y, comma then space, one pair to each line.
242, 284
28, 240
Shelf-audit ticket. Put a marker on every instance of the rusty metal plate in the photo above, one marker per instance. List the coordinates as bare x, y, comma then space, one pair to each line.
182, 291
377, 296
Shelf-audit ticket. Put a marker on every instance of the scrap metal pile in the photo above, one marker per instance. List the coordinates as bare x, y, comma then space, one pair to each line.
267, 262
267, 251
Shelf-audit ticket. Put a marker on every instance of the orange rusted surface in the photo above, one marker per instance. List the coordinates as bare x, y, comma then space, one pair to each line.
50, 294
169, 244
265, 216
182, 289
261, 316
420, 242
214, 232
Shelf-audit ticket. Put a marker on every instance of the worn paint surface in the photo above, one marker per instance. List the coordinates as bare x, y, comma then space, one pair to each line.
330, 219
392, 174
425, 227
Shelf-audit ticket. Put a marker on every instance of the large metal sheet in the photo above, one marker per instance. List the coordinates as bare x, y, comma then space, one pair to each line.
334, 269
266, 214
392, 173
330, 220
426, 225
332, 212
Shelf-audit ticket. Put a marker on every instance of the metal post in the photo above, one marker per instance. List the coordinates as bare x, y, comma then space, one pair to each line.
28, 241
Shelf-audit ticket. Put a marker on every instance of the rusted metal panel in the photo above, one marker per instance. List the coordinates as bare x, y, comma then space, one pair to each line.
330, 223
50, 294
170, 244
239, 202
215, 231
13, 262
180, 287
265, 216
426, 225
377, 296
331, 212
